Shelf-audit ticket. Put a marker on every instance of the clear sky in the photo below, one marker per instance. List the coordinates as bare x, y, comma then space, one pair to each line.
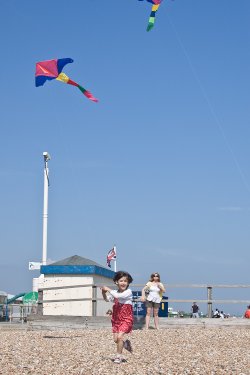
159, 167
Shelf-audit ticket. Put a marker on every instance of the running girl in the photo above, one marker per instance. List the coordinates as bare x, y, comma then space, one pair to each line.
122, 315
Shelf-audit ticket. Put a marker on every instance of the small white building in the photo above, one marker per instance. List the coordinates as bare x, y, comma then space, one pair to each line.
71, 287
3, 301
3, 297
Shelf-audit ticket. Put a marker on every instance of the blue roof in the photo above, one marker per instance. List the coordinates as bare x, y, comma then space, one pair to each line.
77, 270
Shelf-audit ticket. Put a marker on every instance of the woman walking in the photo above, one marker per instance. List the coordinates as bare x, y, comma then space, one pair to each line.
152, 294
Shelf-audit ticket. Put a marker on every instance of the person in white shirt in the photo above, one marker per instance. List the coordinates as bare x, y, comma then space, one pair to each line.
222, 316
216, 314
152, 294
122, 315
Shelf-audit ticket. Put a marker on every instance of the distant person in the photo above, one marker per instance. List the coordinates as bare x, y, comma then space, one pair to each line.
122, 315
152, 294
222, 315
109, 313
216, 314
195, 310
247, 312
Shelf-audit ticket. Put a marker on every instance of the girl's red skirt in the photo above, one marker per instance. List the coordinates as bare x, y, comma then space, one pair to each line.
122, 318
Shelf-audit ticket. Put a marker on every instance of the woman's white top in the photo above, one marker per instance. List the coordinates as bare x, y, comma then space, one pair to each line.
154, 293
124, 297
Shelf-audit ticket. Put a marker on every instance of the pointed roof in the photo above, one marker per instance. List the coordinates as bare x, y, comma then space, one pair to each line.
76, 260
76, 265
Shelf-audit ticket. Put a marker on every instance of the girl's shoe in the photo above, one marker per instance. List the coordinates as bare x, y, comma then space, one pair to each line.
127, 345
118, 360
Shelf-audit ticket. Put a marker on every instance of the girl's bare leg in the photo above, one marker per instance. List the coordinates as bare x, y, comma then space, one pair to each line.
119, 342
156, 318
148, 317
115, 335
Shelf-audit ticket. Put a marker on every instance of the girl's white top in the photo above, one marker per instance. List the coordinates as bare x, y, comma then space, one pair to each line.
124, 297
154, 293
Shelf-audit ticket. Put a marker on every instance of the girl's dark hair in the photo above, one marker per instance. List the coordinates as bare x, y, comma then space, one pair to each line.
153, 274
120, 274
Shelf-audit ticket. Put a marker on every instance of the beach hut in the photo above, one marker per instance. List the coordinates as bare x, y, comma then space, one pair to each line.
69, 287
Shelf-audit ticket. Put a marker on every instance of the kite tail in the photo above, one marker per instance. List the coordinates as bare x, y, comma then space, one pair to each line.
151, 20
64, 78
83, 90
87, 93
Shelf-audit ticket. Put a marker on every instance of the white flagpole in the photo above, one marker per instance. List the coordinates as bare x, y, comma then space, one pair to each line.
115, 259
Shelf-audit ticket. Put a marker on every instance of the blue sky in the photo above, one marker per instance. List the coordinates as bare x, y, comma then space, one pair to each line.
160, 166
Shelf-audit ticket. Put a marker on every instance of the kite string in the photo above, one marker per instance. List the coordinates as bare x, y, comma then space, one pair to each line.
207, 100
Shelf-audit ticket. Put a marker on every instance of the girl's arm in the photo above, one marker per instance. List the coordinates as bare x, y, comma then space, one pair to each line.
104, 295
127, 293
104, 290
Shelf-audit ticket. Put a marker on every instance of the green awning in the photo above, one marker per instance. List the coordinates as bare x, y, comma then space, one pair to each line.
30, 298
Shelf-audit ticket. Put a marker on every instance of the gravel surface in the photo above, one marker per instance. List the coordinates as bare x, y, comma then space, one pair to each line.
193, 351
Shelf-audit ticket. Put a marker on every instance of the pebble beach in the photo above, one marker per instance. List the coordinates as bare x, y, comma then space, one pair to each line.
172, 351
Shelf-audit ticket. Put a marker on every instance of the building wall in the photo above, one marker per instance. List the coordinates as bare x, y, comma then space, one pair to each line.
102, 306
67, 301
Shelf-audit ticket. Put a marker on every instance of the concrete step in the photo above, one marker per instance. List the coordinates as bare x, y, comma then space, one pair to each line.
13, 326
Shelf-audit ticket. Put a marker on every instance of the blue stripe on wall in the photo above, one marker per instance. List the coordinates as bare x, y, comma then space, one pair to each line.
77, 270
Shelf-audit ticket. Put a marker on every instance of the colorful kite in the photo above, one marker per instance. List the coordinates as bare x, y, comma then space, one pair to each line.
52, 69
155, 6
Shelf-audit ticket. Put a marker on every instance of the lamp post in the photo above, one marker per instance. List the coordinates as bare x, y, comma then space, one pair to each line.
115, 258
46, 157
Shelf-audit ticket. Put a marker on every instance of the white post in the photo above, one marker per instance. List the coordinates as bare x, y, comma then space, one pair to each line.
115, 259
46, 157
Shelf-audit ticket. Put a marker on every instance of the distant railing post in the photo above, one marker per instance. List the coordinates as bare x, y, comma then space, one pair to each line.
21, 307
40, 302
209, 302
6, 312
94, 300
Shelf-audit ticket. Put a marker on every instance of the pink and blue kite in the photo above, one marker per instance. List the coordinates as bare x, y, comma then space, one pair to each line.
52, 69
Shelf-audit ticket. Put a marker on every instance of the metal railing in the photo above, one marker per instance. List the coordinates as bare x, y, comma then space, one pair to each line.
209, 301
16, 312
